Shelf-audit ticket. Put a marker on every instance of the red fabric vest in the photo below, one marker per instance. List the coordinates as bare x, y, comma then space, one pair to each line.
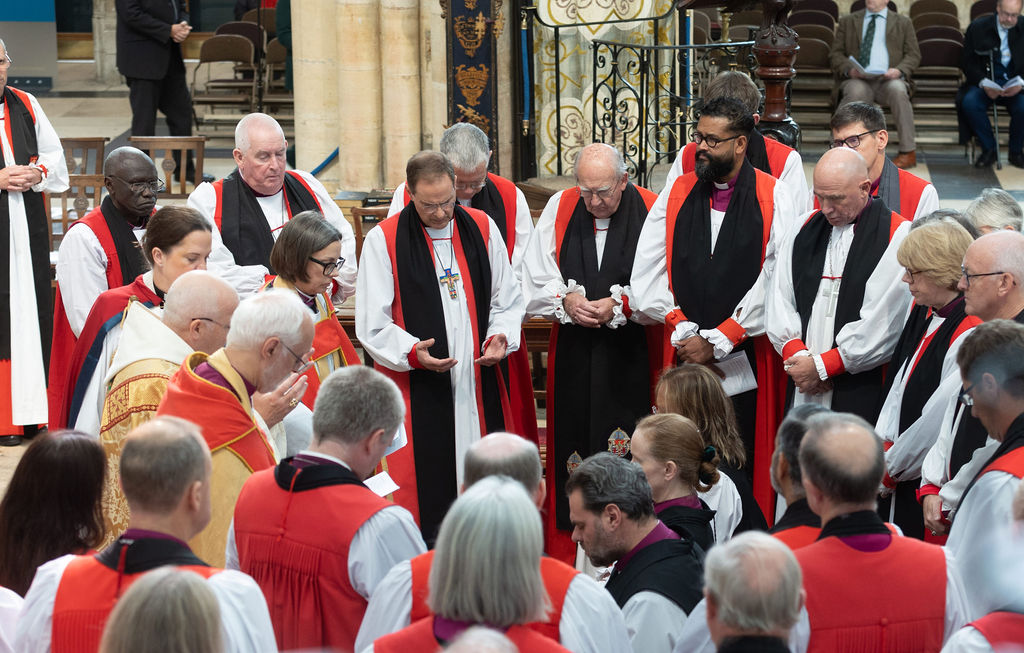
798, 537
1001, 628
218, 189
1011, 463
892, 600
777, 153
87, 593
557, 577
419, 638
295, 546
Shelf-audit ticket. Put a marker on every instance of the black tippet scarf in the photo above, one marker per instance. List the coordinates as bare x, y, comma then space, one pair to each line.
489, 201
244, 227
889, 186
588, 405
862, 522
798, 513
1013, 440
129, 251
671, 568
757, 152
292, 478
26, 151
430, 393
148, 553
709, 284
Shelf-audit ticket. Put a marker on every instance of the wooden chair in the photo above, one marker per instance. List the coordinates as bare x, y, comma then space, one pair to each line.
982, 8
700, 37
748, 17
859, 4
183, 146
84, 193
813, 84
701, 21
937, 78
930, 18
84, 156
940, 32
234, 92
255, 33
812, 17
815, 32
268, 19
361, 215
919, 7
828, 6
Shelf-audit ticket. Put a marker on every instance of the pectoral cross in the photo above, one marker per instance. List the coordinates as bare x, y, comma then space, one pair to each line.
449, 280
832, 293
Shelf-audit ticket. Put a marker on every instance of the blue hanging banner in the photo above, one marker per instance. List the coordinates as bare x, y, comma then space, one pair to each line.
473, 29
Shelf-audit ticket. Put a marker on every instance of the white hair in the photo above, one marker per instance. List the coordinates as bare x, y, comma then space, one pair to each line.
494, 519
755, 581
197, 293
242, 139
271, 313
995, 209
1007, 248
480, 639
355, 401
612, 155
465, 145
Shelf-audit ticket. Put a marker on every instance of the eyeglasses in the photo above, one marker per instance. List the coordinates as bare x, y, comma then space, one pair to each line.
303, 365
852, 142
432, 208
711, 141
474, 185
911, 273
140, 187
968, 276
206, 319
965, 396
601, 193
330, 267
6, 62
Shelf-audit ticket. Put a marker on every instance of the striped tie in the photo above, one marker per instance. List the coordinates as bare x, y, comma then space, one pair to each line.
865, 45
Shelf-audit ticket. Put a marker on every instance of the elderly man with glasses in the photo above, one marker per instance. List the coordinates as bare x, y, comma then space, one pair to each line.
439, 307
702, 264
860, 126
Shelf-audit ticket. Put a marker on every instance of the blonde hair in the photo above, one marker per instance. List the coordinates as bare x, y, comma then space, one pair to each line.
936, 250
169, 610
676, 438
695, 392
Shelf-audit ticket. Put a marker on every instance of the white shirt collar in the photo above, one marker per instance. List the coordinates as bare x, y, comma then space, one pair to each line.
317, 454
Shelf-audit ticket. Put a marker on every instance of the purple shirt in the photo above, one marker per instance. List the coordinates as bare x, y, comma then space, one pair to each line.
870, 543
659, 533
140, 534
206, 371
720, 196
446, 630
691, 501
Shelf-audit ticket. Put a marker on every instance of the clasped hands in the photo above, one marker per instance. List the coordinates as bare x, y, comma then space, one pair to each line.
496, 348
891, 73
804, 372
586, 313
19, 178
180, 31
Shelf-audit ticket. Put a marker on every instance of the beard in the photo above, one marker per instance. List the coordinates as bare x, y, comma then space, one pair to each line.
711, 168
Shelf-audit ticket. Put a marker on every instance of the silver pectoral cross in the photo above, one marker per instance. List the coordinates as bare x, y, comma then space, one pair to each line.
831, 291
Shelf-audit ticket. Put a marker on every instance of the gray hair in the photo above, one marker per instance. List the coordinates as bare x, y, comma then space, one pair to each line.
480, 639
197, 293
159, 461
789, 436
613, 156
947, 215
493, 520
995, 209
604, 479
271, 313
242, 140
4, 46
841, 477
355, 401
1007, 252
755, 582
503, 454
169, 609
465, 145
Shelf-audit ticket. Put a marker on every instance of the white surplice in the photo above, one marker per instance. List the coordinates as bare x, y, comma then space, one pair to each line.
390, 345
864, 343
248, 279
28, 389
591, 621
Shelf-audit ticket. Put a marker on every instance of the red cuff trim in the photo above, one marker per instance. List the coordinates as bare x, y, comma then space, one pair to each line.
414, 360
888, 482
926, 490
888, 444
833, 362
675, 317
732, 330
794, 346
626, 310
44, 170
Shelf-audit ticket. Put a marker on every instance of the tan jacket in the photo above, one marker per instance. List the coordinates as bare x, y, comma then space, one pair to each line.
900, 40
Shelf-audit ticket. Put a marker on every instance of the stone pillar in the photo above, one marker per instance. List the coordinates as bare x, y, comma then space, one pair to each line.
104, 41
359, 51
433, 74
507, 123
315, 62
400, 86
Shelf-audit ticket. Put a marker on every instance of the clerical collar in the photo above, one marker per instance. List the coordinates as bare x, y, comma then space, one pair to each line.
308, 458
141, 534
948, 309
308, 300
863, 530
256, 192
657, 534
721, 193
206, 371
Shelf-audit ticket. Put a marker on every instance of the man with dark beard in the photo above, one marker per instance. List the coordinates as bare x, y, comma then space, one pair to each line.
701, 263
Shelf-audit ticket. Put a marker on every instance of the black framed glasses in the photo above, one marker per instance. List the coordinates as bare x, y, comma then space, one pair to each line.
303, 364
968, 276
139, 187
330, 267
711, 141
207, 319
965, 396
852, 142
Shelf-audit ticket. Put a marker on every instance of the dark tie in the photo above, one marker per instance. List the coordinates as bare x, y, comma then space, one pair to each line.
865, 45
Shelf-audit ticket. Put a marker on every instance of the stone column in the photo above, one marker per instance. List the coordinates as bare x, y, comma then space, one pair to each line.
400, 86
315, 65
104, 41
507, 122
359, 51
433, 74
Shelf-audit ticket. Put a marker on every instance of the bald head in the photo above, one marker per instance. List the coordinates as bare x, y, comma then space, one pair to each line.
841, 185
600, 158
198, 307
992, 296
504, 454
842, 458
126, 158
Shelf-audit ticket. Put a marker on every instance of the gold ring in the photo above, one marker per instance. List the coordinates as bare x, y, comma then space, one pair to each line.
293, 403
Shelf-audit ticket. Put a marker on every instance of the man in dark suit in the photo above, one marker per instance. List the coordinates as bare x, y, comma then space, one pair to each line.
149, 36
1002, 35
884, 43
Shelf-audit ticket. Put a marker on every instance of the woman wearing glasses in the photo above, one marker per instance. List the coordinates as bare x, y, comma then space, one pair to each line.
307, 258
923, 371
